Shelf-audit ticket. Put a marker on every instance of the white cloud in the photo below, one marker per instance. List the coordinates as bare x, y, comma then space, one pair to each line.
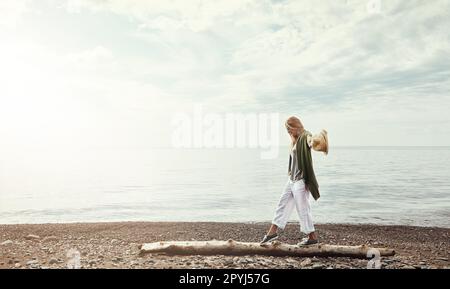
94, 55
196, 15
340, 58
11, 12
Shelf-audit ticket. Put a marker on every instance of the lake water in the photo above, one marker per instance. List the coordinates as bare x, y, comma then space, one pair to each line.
382, 185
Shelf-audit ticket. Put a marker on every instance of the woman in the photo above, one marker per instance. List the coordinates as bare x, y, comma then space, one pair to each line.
301, 183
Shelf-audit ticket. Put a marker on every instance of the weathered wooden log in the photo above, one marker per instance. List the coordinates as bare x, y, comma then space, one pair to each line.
275, 248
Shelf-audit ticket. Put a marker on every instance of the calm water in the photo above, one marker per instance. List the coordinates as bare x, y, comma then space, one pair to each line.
358, 185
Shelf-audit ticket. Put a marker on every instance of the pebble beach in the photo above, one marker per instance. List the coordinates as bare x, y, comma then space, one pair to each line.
116, 245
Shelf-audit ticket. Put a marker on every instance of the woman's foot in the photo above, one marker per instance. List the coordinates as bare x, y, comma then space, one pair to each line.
307, 242
269, 238
271, 234
310, 240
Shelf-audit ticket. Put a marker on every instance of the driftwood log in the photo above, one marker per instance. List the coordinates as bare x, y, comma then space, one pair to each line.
275, 248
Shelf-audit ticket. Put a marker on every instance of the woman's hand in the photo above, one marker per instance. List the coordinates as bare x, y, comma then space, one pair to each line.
309, 140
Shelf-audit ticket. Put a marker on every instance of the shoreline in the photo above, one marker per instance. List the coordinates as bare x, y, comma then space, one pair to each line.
115, 244
231, 222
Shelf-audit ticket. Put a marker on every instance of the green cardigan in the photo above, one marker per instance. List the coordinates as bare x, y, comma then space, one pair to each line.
304, 159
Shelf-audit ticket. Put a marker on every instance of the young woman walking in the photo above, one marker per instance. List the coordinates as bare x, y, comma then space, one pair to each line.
301, 183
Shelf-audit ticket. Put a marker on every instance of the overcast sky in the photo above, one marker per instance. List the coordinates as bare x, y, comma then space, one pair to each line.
112, 73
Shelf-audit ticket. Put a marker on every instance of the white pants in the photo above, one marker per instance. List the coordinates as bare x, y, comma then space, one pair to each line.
294, 194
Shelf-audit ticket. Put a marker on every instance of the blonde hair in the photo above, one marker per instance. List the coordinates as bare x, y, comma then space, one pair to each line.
294, 122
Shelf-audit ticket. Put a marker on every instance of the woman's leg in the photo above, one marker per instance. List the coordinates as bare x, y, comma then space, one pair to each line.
301, 198
272, 230
283, 211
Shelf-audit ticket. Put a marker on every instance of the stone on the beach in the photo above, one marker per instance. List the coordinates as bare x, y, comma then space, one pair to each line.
305, 262
33, 264
117, 259
227, 261
50, 238
134, 263
318, 266
114, 241
7, 242
53, 261
17, 265
32, 237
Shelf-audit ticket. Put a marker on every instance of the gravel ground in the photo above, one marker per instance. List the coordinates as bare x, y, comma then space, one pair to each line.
116, 245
